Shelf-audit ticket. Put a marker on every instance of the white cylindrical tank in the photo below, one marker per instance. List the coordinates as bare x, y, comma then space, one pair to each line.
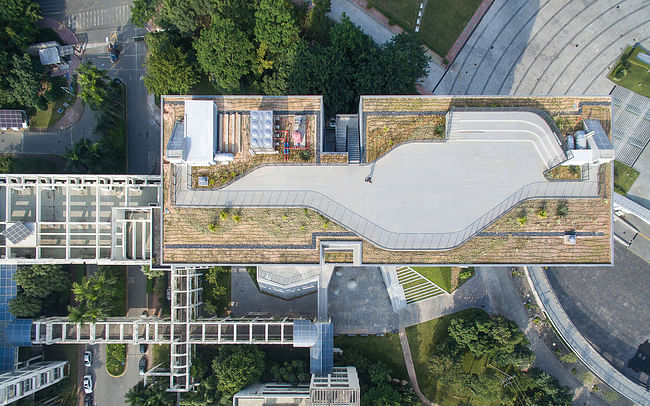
581, 139
570, 142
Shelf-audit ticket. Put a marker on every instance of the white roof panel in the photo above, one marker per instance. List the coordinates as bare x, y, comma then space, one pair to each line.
200, 116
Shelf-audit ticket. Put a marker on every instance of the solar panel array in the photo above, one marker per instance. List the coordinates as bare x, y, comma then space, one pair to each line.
17, 232
7, 292
11, 118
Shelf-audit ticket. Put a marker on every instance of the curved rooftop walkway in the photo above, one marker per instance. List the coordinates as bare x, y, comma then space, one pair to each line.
579, 345
546, 47
423, 196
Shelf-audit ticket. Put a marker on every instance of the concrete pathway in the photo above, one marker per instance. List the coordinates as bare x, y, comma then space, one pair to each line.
408, 360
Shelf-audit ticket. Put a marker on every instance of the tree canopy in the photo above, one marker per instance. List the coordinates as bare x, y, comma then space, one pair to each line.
353, 64
94, 297
224, 53
169, 69
42, 280
237, 367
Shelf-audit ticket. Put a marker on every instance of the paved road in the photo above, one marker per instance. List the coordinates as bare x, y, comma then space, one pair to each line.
93, 21
110, 390
136, 300
143, 142
614, 324
588, 354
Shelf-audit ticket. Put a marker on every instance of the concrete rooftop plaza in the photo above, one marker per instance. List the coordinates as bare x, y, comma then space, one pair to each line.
423, 195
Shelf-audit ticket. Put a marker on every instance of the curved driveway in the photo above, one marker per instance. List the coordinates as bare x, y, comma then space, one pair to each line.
580, 346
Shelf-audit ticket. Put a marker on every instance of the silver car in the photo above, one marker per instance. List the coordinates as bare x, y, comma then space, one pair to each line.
88, 384
88, 359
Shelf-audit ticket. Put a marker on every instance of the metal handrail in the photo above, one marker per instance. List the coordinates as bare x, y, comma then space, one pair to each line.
376, 234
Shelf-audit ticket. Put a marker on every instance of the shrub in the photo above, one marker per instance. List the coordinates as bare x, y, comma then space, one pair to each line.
213, 227
465, 274
115, 358
223, 214
305, 155
522, 220
542, 213
41, 103
562, 209
236, 218
569, 358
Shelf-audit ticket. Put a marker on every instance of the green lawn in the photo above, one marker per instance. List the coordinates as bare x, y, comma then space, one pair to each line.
635, 76
160, 355
423, 339
399, 12
115, 359
443, 21
386, 349
47, 118
440, 275
624, 177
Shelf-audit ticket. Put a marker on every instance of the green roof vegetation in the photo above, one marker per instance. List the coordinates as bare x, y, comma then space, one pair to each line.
632, 73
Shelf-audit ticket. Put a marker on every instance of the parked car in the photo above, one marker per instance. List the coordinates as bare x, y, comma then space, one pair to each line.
143, 348
142, 365
88, 383
88, 358
88, 400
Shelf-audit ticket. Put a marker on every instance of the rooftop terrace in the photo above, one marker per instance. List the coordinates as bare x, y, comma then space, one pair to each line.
435, 195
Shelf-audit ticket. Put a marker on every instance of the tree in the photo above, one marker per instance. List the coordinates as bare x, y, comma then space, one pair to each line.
224, 53
24, 80
6, 163
237, 367
292, 372
83, 157
94, 85
276, 26
541, 389
187, 15
94, 297
569, 358
404, 62
152, 273
483, 335
154, 394
381, 395
169, 70
214, 291
142, 11
25, 306
18, 19
42, 280
318, 24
